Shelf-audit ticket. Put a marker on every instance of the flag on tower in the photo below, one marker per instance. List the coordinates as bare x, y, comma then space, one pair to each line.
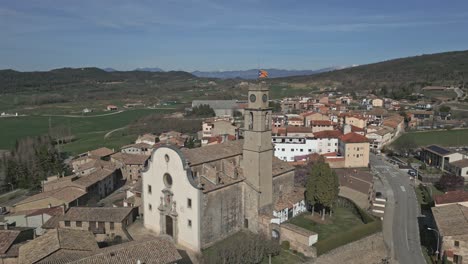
262, 74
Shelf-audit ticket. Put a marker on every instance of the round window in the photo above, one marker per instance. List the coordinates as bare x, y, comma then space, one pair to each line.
264, 98
166, 157
167, 180
253, 98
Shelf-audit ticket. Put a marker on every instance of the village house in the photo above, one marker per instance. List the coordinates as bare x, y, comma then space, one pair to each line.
289, 205
355, 120
58, 246
103, 222
296, 121
314, 116
218, 127
133, 197
112, 108
452, 223
377, 102
290, 105
149, 139
380, 138
130, 165
419, 118
34, 218
322, 125
355, 149
207, 141
66, 196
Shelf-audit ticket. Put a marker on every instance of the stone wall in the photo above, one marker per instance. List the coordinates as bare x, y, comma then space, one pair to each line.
282, 184
299, 239
448, 244
222, 214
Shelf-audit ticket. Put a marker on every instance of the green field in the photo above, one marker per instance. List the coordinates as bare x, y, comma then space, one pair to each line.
89, 131
455, 137
342, 220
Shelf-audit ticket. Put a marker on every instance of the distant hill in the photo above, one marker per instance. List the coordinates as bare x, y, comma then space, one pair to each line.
253, 73
398, 77
59, 79
149, 69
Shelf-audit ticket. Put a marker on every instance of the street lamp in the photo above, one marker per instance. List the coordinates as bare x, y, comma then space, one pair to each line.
437, 250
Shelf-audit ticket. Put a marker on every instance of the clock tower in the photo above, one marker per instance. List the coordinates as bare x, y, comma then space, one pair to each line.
258, 148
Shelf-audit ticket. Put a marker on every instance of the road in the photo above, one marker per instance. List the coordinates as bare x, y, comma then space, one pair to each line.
401, 231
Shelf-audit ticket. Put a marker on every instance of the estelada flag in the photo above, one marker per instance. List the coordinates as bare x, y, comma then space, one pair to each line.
262, 74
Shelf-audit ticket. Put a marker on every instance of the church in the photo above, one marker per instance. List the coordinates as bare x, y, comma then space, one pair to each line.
203, 195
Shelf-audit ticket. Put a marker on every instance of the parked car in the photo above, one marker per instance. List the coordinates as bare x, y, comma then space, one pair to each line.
412, 172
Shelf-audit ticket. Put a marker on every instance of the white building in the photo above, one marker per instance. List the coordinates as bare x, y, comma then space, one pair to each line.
288, 147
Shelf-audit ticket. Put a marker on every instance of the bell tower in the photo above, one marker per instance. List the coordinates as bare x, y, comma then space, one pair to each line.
258, 148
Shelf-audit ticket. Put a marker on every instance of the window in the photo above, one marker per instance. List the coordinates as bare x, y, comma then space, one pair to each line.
282, 149
302, 150
189, 223
92, 224
67, 223
167, 180
189, 203
309, 150
246, 223
456, 243
79, 224
101, 224
149, 189
150, 207
166, 157
111, 225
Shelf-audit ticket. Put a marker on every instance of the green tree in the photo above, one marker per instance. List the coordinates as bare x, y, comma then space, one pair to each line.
444, 109
322, 187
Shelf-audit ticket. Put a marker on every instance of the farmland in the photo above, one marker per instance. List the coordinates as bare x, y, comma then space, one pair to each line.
456, 137
89, 130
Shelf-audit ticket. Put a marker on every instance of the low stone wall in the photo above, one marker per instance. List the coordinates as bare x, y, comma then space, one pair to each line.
300, 239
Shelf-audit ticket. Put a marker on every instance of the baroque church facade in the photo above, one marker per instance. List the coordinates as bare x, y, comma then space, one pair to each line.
200, 196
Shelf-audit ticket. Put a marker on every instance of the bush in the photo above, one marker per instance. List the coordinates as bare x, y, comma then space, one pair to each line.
351, 235
285, 245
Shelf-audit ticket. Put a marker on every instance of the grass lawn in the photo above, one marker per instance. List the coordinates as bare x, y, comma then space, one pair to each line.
88, 130
342, 220
455, 137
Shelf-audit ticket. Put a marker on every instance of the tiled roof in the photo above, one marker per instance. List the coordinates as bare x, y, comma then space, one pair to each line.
322, 122
452, 220
294, 129
356, 129
66, 194
101, 152
44, 247
451, 197
280, 167
154, 251
95, 163
353, 138
53, 222
287, 200
92, 178
328, 134
97, 214
7, 237
213, 152
130, 159
58, 210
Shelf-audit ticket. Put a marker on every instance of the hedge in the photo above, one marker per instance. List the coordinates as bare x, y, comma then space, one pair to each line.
349, 236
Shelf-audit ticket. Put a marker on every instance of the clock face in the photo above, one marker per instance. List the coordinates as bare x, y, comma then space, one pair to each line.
265, 98
253, 98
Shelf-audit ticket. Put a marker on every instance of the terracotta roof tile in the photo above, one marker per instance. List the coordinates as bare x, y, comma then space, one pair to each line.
97, 214
328, 134
353, 138
451, 197
101, 152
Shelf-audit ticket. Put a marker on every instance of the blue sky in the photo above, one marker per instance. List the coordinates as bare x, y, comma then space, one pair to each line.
224, 35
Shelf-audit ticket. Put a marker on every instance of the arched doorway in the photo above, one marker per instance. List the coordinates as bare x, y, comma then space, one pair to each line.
275, 234
169, 226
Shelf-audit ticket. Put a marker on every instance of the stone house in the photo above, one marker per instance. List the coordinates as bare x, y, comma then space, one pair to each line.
377, 102
355, 120
34, 219
130, 165
149, 139
314, 116
103, 222
133, 197
68, 196
452, 223
321, 125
